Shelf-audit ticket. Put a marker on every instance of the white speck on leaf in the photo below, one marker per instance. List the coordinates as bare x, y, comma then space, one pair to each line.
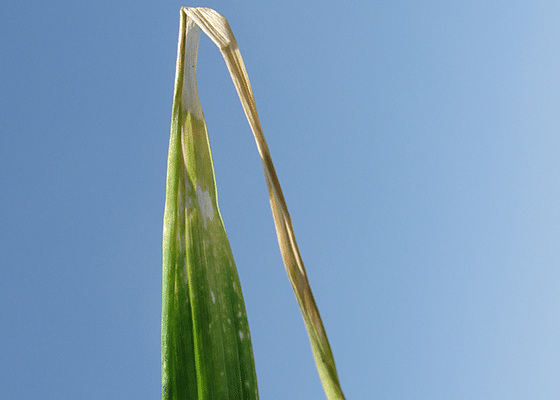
205, 204
213, 297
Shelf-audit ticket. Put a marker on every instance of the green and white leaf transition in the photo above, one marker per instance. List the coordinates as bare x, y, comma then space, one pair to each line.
205, 339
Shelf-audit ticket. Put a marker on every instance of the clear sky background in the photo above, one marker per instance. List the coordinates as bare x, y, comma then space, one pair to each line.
418, 144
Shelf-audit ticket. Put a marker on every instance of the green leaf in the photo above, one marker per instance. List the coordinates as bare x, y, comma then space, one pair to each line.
206, 344
203, 312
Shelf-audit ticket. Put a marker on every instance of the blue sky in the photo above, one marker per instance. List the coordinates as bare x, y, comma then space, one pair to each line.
418, 147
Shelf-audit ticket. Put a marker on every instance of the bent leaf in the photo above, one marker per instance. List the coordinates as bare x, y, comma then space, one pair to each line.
197, 259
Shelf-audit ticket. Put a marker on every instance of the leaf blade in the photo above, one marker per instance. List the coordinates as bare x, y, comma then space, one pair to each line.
206, 346
217, 28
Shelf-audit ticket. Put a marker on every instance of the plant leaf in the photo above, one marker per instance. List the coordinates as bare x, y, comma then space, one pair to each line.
217, 28
206, 344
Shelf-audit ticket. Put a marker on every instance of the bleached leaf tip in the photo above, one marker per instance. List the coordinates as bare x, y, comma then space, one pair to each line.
214, 25
189, 98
